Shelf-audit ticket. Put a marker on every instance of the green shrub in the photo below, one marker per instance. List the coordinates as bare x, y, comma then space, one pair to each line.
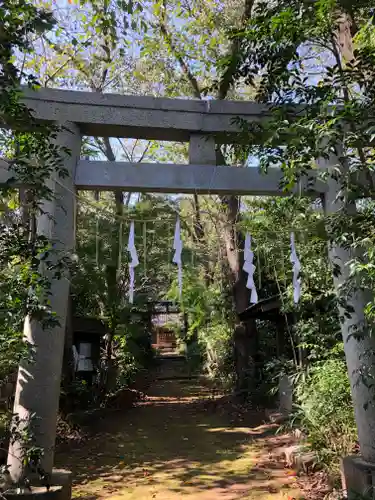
216, 343
194, 356
134, 354
325, 409
128, 368
5, 419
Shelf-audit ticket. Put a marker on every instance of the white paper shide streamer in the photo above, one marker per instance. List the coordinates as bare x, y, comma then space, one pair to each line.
249, 267
296, 270
177, 247
133, 263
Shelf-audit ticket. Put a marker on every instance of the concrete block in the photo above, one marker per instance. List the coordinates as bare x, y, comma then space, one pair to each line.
285, 395
357, 477
63, 478
34, 493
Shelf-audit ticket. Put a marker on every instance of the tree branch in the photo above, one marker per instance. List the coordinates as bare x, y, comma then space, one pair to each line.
144, 152
228, 76
173, 48
108, 149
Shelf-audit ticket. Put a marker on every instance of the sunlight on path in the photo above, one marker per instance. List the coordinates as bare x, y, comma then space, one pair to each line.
173, 446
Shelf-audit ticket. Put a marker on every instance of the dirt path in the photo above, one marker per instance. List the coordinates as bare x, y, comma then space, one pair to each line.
174, 445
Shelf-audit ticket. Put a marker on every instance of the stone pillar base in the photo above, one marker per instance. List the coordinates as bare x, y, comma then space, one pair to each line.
62, 477
285, 396
34, 493
60, 488
357, 477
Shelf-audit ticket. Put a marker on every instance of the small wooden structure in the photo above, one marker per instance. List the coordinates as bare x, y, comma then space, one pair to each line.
269, 309
165, 317
88, 339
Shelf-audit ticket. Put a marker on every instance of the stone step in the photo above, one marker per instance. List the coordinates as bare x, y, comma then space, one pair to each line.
172, 367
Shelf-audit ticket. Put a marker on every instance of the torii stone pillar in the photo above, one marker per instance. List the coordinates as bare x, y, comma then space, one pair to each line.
38, 384
360, 354
202, 150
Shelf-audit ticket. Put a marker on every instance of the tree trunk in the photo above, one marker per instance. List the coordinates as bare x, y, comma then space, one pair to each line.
68, 361
231, 237
245, 333
68, 368
112, 271
113, 291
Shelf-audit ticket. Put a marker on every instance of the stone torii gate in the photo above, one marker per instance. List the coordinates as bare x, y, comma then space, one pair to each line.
202, 124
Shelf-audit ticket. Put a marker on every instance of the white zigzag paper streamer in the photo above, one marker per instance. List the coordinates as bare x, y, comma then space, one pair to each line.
177, 247
296, 270
249, 267
133, 263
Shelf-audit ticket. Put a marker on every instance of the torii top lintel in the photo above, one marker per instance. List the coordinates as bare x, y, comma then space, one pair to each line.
143, 117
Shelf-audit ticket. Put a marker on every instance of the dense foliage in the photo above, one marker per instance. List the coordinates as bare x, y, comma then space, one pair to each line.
316, 67
317, 55
325, 409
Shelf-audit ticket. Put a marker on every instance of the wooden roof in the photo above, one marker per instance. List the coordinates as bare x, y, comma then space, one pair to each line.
94, 326
262, 309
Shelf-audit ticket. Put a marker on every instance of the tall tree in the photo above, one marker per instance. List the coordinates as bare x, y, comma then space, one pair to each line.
195, 53
334, 122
